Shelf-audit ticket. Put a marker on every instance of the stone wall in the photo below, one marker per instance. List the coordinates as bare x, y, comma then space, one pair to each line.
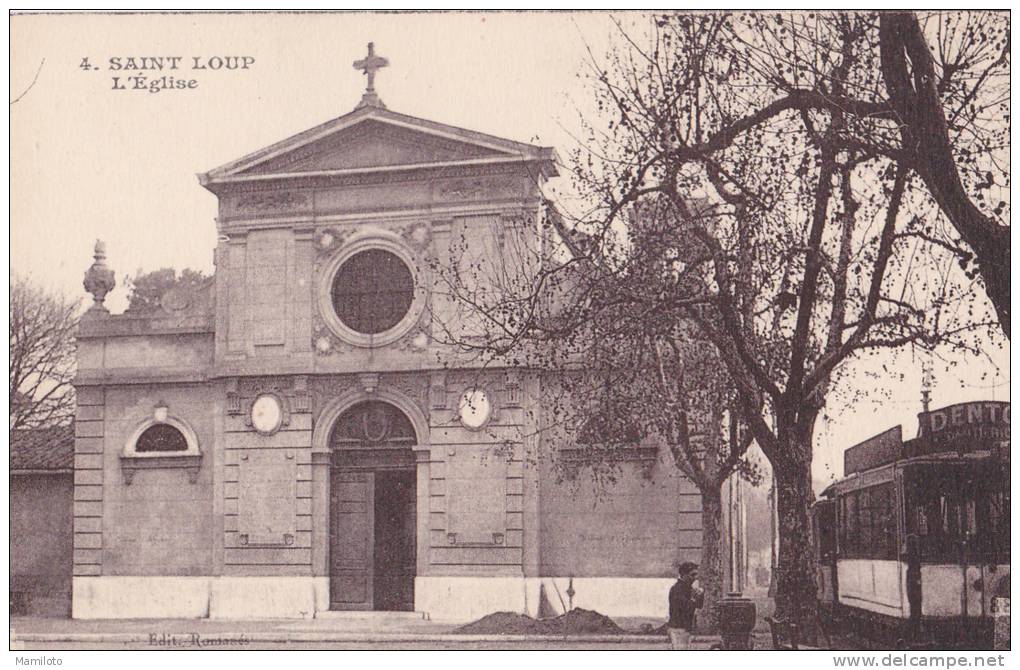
158, 521
640, 525
41, 543
89, 477
636, 517
476, 492
267, 495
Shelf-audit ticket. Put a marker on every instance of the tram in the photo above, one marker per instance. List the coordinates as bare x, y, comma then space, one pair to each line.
912, 545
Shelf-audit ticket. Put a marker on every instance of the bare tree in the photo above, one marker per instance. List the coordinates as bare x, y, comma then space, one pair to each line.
929, 91
947, 83
648, 366
649, 378
692, 406
790, 244
621, 368
42, 357
819, 247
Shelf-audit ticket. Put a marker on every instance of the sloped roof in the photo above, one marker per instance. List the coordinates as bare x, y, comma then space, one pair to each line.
43, 448
440, 145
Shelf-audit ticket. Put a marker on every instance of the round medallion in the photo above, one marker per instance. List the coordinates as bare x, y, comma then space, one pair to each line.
266, 414
475, 408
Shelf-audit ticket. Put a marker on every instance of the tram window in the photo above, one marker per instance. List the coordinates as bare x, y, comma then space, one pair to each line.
868, 523
950, 511
883, 531
928, 522
958, 509
882, 522
998, 520
923, 525
864, 525
959, 515
823, 521
848, 527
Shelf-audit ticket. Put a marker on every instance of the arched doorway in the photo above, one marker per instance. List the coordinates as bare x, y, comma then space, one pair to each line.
372, 509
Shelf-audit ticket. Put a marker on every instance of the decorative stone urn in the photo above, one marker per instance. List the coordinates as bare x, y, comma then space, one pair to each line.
736, 621
99, 279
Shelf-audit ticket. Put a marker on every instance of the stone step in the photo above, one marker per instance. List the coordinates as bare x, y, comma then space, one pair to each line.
369, 615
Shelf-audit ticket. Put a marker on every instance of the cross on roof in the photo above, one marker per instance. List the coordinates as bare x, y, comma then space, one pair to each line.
369, 64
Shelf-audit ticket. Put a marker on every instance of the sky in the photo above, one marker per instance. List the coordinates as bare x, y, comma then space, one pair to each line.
89, 162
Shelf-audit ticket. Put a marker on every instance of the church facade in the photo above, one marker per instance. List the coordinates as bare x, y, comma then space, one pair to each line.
291, 439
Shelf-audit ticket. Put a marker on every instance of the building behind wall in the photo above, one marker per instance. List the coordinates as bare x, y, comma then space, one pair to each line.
40, 515
290, 439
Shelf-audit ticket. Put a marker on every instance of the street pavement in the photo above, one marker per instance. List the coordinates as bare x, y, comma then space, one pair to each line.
575, 644
355, 633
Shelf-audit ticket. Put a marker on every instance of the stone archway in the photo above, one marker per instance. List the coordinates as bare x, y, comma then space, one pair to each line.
375, 522
334, 408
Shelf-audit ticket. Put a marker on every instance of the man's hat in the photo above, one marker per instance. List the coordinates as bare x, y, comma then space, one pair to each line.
686, 568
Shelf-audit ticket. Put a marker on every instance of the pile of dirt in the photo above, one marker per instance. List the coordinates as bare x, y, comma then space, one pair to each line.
575, 622
501, 623
584, 622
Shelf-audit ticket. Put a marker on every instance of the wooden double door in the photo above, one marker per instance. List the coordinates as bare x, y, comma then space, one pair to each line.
372, 538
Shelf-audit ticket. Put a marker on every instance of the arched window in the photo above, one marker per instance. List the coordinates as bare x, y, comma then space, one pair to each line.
161, 437
372, 291
161, 442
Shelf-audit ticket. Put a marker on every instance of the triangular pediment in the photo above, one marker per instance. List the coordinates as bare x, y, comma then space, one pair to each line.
373, 139
372, 144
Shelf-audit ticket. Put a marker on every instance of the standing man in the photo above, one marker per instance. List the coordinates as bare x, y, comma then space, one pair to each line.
684, 599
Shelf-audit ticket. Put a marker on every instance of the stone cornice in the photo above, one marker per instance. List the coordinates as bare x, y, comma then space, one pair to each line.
442, 215
122, 325
387, 174
41, 471
140, 375
308, 364
256, 369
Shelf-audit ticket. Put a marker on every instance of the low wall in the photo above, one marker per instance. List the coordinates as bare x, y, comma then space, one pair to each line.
41, 544
121, 597
447, 599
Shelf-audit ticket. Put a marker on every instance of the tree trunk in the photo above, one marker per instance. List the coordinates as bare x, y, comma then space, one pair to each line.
909, 72
710, 573
796, 597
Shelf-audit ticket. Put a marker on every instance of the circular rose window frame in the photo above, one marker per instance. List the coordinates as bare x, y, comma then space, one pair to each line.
384, 242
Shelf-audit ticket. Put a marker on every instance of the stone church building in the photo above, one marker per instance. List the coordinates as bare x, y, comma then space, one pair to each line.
285, 442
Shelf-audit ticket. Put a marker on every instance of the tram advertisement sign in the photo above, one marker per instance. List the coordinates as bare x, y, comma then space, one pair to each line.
970, 426
879, 450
